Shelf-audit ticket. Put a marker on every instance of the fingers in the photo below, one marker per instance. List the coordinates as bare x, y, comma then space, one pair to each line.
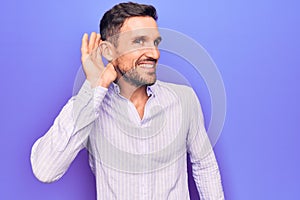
88, 45
98, 38
92, 41
97, 43
110, 65
84, 44
111, 73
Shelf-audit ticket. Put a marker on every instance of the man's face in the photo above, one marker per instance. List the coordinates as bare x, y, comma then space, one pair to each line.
137, 51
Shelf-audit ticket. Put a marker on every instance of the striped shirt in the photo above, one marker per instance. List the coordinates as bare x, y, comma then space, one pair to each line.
132, 158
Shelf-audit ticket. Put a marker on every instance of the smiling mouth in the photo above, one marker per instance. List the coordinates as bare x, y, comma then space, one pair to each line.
147, 64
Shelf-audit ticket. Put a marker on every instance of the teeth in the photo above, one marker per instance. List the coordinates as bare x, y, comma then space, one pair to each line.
146, 65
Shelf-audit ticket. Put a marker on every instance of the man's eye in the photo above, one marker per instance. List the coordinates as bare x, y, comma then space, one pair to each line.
156, 43
139, 41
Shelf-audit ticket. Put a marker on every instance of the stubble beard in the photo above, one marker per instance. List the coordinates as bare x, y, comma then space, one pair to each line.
137, 79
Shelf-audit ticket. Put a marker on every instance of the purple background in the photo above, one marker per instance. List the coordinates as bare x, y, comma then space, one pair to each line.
255, 45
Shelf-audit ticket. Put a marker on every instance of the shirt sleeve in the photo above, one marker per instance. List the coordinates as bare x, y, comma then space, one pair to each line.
52, 154
204, 165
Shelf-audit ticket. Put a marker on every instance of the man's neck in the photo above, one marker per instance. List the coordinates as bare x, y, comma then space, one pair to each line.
137, 95
133, 93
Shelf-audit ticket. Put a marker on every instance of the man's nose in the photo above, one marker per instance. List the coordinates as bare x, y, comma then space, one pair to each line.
153, 52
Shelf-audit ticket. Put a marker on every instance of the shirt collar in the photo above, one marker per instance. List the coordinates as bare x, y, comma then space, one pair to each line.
150, 89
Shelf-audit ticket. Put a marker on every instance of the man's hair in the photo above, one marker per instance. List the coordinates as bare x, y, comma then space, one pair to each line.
113, 19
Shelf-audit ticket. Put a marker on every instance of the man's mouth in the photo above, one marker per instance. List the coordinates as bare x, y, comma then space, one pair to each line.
148, 64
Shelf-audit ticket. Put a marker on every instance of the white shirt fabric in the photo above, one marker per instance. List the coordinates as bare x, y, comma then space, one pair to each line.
133, 158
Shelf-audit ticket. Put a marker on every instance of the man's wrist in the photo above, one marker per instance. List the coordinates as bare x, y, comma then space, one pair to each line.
99, 82
103, 83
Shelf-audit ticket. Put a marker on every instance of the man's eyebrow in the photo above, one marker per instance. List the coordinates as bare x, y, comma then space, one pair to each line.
143, 37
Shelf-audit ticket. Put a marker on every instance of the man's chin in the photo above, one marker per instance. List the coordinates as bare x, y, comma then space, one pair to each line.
140, 82
151, 80
151, 83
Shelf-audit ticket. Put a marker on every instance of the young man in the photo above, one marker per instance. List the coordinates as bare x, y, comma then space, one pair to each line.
137, 129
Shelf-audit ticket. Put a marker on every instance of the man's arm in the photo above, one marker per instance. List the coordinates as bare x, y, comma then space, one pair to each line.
52, 154
204, 165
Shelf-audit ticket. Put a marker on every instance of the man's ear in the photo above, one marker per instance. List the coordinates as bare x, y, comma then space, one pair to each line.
107, 50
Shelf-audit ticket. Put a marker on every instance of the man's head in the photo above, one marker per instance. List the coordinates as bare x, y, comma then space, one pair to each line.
114, 18
131, 39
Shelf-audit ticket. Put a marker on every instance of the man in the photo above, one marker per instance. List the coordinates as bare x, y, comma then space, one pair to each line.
137, 129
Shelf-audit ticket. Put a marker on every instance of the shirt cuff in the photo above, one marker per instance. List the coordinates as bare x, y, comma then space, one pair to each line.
87, 92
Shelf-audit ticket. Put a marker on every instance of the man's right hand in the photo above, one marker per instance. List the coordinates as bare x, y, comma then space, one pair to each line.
91, 59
